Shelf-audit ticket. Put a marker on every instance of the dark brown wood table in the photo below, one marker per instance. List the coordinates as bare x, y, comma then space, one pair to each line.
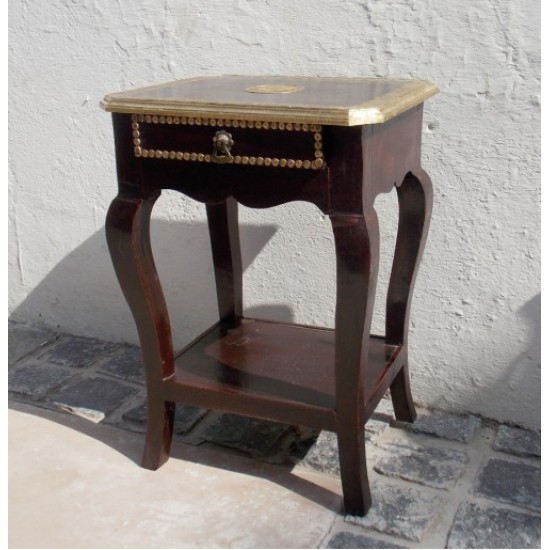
261, 142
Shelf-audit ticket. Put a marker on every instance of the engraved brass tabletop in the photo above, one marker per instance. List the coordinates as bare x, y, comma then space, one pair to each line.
338, 101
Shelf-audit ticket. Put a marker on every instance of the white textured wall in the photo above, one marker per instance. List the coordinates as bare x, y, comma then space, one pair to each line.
476, 315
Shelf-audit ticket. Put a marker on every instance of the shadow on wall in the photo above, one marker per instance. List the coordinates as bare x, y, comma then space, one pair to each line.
518, 385
503, 387
81, 294
531, 313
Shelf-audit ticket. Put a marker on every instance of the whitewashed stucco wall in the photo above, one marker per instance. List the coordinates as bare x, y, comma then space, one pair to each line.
476, 314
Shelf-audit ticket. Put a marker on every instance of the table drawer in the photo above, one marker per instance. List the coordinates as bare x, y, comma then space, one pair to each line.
191, 139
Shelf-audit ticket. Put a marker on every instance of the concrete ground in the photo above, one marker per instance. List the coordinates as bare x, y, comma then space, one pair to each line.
76, 424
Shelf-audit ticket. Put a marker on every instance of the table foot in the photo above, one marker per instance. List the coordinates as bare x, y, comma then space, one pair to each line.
355, 483
401, 396
158, 437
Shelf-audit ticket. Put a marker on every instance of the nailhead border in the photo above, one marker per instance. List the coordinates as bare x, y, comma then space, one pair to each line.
316, 164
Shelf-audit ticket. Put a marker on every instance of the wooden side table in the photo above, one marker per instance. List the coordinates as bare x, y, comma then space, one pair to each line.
261, 142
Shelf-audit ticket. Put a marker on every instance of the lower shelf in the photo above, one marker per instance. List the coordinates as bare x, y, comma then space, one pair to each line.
268, 370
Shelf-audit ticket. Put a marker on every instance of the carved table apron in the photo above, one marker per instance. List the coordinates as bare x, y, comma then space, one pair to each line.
262, 142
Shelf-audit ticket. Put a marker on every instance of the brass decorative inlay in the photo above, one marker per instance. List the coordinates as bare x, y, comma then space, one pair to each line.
274, 89
223, 142
402, 95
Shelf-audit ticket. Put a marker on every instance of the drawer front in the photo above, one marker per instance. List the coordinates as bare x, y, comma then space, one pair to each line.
254, 143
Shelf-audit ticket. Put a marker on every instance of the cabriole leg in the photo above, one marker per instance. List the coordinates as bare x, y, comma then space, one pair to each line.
128, 237
357, 250
223, 224
415, 197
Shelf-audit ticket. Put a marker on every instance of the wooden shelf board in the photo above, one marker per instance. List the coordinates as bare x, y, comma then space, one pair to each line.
265, 368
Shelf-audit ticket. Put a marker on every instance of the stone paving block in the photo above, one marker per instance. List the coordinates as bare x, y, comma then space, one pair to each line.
23, 340
184, 419
447, 426
517, 441
405, 512
431, 466
299, 441
323, 455
258, 438
76, 351
477, 526
92, 398
511, 482
345, 539
36, 380
384, 411
373, 428
127, 364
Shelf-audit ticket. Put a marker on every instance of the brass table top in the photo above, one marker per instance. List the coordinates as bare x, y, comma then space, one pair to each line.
331, 101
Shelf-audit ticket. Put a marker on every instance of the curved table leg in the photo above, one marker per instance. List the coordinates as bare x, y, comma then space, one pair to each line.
415, 197
223, 224
127, 231
357, 252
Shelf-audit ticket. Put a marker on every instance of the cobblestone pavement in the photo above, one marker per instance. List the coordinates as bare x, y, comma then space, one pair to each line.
447, 481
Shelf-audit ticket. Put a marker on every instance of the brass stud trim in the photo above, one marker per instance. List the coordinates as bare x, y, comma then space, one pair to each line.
317, 163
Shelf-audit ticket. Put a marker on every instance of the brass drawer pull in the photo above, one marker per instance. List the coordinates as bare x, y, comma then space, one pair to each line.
223, 141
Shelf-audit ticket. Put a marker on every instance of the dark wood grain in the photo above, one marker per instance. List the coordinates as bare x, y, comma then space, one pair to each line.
357, 251
300, 375
288, 144
271, 370
223, 225
251, 186
128, 238
415, 198
390, 151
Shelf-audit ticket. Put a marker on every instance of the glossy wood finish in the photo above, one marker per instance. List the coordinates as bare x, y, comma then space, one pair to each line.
415, 197
223, 225
297, 144
327, 379
130, 247
261, 377
357, 250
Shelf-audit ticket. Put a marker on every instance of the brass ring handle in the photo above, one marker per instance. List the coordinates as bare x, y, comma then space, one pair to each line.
223, 141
